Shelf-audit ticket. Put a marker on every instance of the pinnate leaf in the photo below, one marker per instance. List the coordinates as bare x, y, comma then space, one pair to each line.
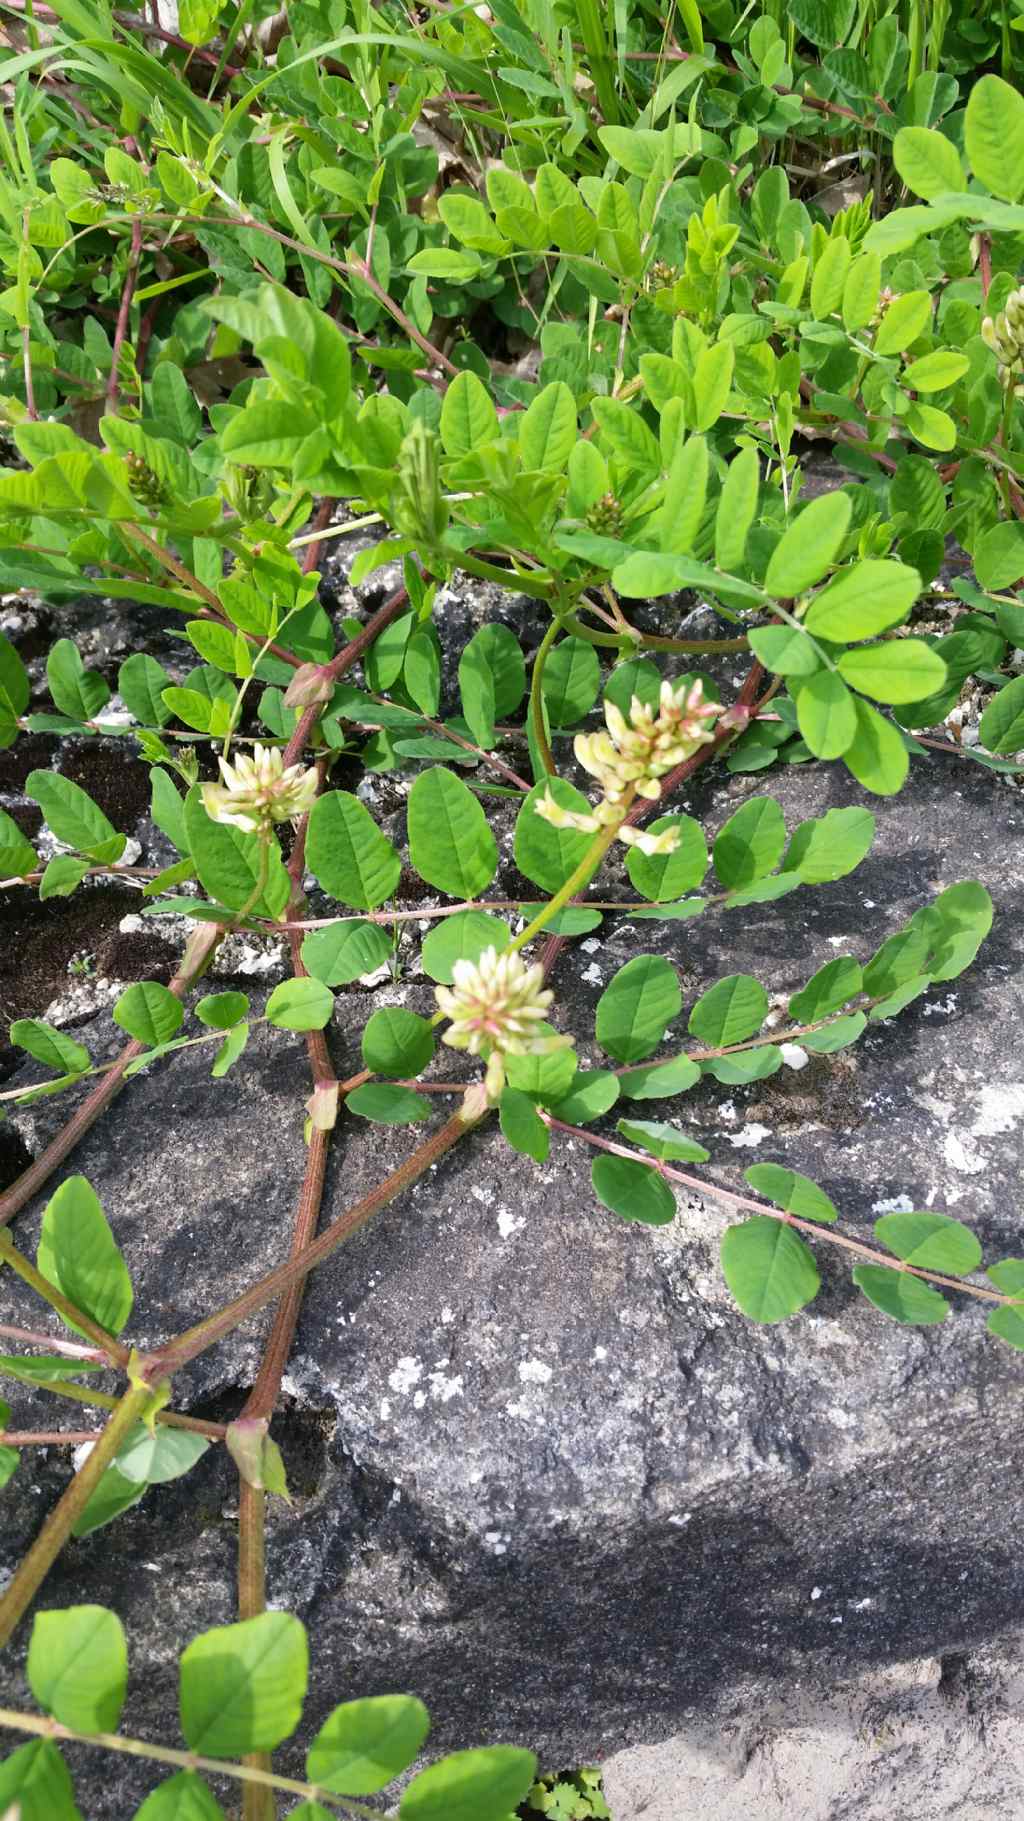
637, 1007
362, 1745
768, 1268
77, 1251
450, 843
78, 1667
242, 1686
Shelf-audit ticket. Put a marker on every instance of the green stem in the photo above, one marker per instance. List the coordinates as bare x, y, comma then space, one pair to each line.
540, 733
45, 1728
58, 1527
582, 876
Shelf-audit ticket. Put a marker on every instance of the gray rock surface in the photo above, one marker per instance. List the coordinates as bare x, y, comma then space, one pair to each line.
929, 1740
546, 1475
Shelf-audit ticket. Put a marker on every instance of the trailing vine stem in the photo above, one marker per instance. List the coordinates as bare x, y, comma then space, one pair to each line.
44, 1728
816, 1227
36, 1565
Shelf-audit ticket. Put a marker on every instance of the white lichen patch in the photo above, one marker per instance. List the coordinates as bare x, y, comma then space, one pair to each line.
534, 1372
1000, 1108
750, 1134
406, 1374
962, 1157
899, 1204
509, 1223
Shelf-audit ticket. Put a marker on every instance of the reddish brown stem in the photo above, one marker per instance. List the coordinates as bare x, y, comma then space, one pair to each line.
197, 957
124, 311
337, 667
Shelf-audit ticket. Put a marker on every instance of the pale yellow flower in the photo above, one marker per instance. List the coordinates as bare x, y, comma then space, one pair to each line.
629, 758
497, 1006
257, 791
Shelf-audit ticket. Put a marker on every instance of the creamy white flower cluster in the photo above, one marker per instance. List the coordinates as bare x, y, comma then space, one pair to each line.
258, 791
628, 760
1004, 334
497, 1006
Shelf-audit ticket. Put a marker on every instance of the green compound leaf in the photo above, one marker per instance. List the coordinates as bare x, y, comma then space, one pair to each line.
14, 679
78, 1667
547, 430
900, 670
35, 1785
234, 1043
547, 855
350, 856
1002, 724
114, 1494
729, 1012
74, 818
1008, 1275
837, 1036
300, 1005
830, 846
789, 1190
572, 681
927, 161
242, 1686
663, 877
76, 691
905, 319
49, 1046
152, 1458
149, 1012
463, 937
636, 1008
994, 137
484, 1785
384, 1104
660, 1080
591, 1093
634, 1191
749, 1065
450, 843
181, 1798
751, 842
826, 991
345, 951
1007, 1323
904, 1298
933, 1242
785, 650
228, 862
17, 856
544, 1078
999, 555
476, 688
63, 873
397, 1042
220, 1011
362, 1745
468, 418
78, 1252
826, 713
877, 756
809, 547
859, 602
522, 1125
768, 1268
662, 1141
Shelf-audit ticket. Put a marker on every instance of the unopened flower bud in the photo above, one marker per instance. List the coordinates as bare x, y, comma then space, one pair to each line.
310, 684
